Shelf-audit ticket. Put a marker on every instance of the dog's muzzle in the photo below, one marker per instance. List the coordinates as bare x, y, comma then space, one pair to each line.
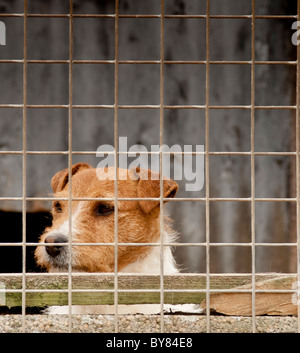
54, 250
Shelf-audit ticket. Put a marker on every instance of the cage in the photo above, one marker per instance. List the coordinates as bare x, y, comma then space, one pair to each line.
208, 88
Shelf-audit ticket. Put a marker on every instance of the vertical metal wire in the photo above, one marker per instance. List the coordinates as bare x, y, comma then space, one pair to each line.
207, 204
298, 165
253, 163
116, 94
24, 179
161, 141
70, 116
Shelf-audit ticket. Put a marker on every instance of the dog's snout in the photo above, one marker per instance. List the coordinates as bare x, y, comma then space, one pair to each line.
54, 250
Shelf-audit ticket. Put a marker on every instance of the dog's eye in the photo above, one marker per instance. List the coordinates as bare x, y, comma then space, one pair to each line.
103, 209
57, 207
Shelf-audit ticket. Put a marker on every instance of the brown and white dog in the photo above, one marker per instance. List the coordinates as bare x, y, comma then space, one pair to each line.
94, 222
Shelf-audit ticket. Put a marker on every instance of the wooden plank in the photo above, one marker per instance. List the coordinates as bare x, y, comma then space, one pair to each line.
133, 281
265, 303
226, 303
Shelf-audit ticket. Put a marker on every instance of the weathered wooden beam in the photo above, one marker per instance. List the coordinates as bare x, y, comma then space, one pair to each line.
266, 303
92, 289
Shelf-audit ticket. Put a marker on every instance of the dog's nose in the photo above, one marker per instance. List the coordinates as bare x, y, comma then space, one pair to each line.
54, 250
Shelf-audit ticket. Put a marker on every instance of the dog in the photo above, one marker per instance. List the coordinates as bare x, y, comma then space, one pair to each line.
94, 222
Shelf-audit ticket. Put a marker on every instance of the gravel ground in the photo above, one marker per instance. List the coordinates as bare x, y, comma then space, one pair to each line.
145, 323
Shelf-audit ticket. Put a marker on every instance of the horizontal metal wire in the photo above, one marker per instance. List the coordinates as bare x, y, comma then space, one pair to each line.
147, 62
29, 275
158, 16
231, 153
233, 290
150, 106
212, 199
173, 244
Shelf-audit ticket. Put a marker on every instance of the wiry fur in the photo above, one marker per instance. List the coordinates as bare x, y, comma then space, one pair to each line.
138, 222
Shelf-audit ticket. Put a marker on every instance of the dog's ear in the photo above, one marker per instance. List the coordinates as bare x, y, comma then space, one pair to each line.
60, 179
149, 186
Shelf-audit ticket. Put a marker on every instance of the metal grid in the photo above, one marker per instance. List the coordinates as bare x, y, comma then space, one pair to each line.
161, 107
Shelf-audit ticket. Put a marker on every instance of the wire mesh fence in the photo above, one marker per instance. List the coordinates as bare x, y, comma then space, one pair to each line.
117, 68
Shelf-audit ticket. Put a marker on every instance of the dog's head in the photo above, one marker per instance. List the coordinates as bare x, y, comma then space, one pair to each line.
94, 221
